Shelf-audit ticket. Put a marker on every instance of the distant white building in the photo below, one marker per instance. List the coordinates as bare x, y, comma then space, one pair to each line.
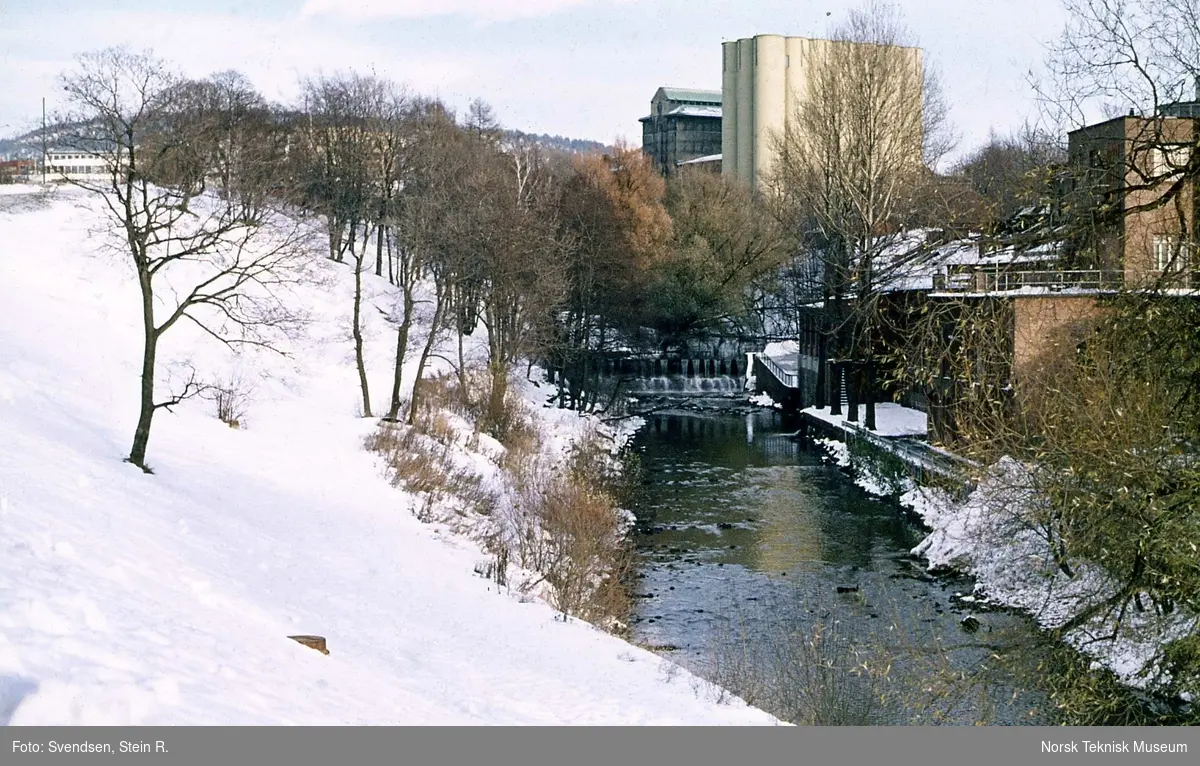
76, 165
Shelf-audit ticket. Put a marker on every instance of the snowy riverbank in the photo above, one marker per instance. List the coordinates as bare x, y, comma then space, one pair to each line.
991, 536
169, 599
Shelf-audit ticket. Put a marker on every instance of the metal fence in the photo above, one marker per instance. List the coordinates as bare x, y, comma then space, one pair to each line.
789, 379
997, 280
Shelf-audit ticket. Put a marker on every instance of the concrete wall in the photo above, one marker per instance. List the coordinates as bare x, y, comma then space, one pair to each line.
672, 139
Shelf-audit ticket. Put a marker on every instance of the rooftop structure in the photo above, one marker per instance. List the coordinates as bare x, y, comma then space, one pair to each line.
683, 124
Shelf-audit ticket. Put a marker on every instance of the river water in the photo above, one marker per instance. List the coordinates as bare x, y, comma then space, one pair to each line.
759, 562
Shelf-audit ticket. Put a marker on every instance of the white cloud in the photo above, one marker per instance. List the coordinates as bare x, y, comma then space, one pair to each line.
480, 10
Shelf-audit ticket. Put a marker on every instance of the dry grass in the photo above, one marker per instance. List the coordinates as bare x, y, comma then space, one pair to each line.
420, 463
561, 521
231, 396
568, 526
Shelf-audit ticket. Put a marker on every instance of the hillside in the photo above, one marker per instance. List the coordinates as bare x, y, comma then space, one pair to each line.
29, 145
559, 143
128, 598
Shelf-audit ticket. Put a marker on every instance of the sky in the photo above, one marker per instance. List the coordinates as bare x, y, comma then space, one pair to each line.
578, 68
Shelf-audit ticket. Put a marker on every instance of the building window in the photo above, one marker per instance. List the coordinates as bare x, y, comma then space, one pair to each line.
1169, 254
1165, 160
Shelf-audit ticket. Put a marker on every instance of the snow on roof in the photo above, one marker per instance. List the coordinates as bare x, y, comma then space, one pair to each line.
909, 263
695, 111
689, 110
700, 160
691, 94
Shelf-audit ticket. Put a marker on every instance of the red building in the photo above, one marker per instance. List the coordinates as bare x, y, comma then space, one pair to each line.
16, 170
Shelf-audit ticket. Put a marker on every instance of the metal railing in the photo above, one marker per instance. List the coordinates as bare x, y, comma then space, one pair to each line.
789, 379
996, 280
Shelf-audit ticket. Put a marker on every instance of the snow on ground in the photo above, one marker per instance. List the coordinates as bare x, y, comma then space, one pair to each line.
764, 400
890, 420
991, 536
168, 599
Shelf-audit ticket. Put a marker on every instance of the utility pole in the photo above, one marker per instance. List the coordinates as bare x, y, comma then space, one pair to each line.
43, 140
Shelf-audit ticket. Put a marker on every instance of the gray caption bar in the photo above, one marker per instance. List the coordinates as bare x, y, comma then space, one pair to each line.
469, 746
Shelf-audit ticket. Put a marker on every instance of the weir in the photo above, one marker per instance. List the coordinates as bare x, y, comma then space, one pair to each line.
679, 384
669, 367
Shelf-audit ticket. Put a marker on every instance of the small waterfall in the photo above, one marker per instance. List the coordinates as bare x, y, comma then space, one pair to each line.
682, 384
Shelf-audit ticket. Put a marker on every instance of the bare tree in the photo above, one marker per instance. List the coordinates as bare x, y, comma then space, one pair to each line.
415, 134
612, 213
862, 136
352, 171
1012, 172
524, 276
1141, 58
223, 262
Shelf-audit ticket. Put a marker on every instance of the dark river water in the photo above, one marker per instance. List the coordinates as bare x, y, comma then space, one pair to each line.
762, 567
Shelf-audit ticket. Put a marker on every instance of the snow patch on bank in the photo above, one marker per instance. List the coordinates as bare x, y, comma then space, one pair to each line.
993, 537
890, 420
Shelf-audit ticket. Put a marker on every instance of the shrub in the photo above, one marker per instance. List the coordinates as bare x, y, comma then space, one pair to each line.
422, 465
561, 520
574, 536
231, 396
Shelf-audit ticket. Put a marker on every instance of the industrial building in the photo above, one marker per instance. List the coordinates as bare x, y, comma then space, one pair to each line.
765, 79
683, 127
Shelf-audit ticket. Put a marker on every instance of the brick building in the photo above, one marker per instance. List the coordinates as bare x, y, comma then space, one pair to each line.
1133, 199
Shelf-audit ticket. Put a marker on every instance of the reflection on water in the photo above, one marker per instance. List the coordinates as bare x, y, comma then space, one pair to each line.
739, 524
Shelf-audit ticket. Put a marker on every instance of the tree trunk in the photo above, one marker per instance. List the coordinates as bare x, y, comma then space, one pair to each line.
391, 260
401, 351
835, 388
141, 435
869, 393
464, 395
335, 240
499, 391
438, 313
358, 338
379, 251
852, 384
821, 394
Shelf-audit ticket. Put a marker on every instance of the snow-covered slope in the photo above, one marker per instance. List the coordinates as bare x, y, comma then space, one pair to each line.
168, 599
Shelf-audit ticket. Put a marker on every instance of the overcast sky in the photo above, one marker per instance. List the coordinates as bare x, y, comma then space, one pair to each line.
579, 68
